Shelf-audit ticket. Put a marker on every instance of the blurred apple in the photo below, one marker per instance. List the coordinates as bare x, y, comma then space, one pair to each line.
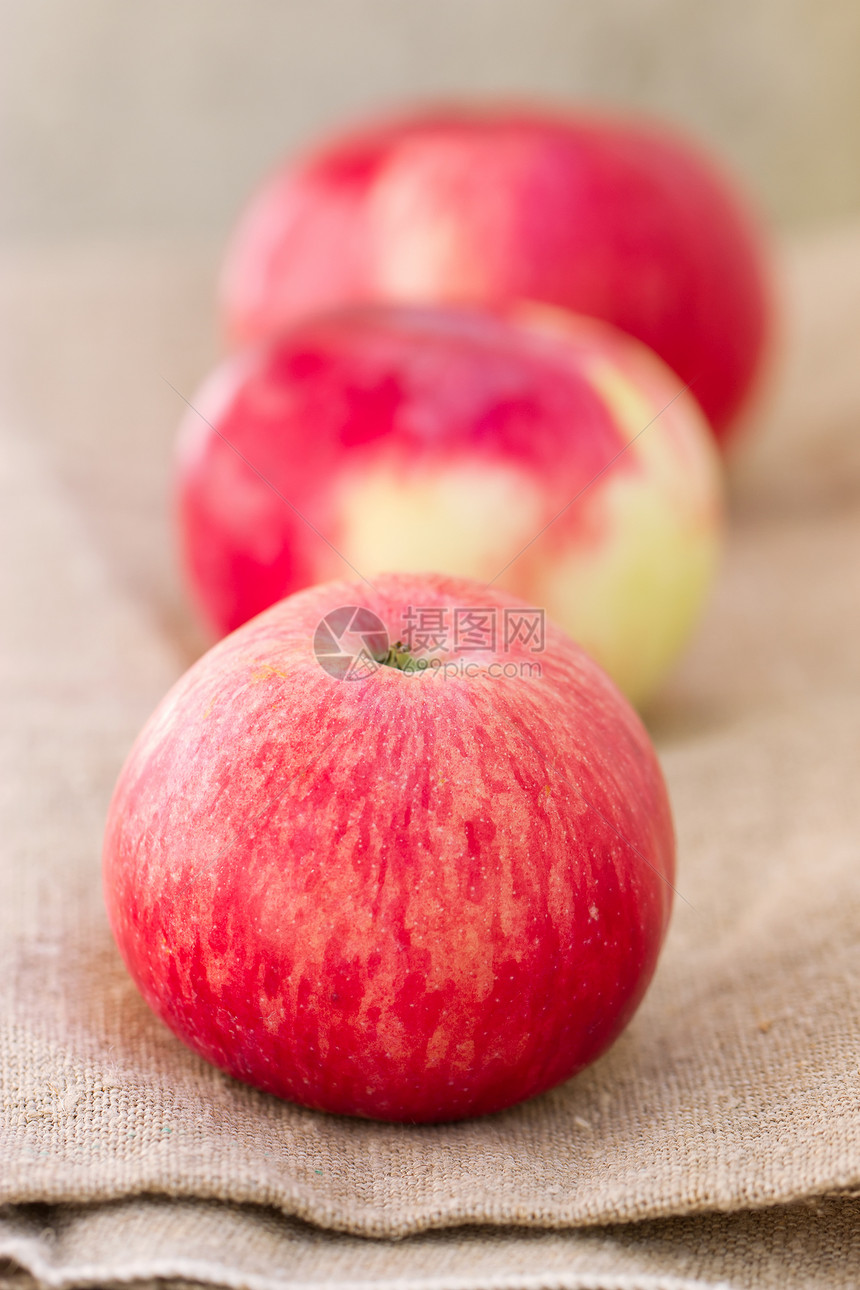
412, 895
550, 455
615, 219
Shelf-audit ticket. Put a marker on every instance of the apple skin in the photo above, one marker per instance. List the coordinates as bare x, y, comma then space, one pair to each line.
411, 897
395, 437
616, 219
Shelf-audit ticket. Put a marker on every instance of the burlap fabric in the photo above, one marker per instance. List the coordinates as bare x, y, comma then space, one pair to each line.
715, 1144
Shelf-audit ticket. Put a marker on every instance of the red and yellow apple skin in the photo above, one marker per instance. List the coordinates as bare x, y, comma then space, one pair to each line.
618, 220
412, 897
551, 455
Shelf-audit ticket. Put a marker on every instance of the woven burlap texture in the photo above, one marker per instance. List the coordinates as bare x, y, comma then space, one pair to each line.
249, 1248
737, 1085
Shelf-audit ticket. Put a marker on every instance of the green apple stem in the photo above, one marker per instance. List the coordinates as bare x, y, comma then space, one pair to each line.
398, 656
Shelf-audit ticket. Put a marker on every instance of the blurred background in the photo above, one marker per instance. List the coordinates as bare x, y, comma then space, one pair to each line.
156, 117
131, 135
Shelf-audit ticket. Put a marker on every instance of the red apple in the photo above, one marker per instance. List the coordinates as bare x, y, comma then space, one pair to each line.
551, 454
410, 893
614, 219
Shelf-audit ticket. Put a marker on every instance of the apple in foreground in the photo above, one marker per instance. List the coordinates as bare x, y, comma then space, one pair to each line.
616, 219
550, 455
386, 890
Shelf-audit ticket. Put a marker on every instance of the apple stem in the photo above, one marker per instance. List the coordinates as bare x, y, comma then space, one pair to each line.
398, 656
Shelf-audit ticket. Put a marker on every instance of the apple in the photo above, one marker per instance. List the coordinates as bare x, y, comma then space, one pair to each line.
612, 218
406, 892
547, 454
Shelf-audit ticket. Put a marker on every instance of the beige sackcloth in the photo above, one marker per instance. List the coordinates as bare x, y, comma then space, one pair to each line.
718, 1142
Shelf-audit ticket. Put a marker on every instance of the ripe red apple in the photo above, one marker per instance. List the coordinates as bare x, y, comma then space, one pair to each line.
616, 219
390, 891
551, 454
